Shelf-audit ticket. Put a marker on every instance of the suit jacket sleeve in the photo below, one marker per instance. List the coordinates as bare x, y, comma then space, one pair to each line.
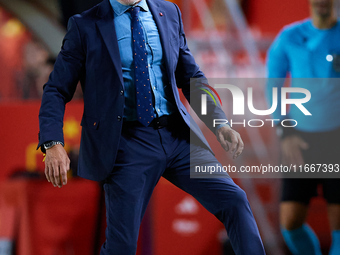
190, 79
61, 86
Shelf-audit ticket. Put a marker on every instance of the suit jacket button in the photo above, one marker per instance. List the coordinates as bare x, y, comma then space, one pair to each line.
119, 118
122, 92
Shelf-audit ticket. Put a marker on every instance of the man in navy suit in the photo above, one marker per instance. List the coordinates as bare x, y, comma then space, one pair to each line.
131, 57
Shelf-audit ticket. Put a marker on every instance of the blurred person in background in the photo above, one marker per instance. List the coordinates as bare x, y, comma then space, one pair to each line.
309, 49
13, 38
35, 67
121, 50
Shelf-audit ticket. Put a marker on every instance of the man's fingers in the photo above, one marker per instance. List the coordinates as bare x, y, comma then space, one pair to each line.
56, 176
286, 155
239, 147
298, 157
56, 173
63, 173
51, 174
303, 145
52, 170
223, 142
234, 142
294, 156
57, 164
60, 182
231, 141
47, 173
291, 149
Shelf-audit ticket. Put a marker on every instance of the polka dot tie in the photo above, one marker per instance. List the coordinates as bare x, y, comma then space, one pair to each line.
145, 112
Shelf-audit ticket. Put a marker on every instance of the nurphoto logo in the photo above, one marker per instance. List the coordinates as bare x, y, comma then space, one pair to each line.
239, 104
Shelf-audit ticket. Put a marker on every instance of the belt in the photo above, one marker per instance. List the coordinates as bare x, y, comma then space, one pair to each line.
161, 122
156, 123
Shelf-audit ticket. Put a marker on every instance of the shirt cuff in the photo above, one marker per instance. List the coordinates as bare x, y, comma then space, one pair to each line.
221, 125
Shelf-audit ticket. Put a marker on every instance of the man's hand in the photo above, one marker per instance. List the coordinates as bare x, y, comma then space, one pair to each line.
230, 140
291, 147
57, 163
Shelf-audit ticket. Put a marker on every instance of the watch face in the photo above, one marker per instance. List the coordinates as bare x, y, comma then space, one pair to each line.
48, 145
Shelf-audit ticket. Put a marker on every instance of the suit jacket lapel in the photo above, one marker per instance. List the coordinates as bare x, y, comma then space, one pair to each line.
160, 19
107, 29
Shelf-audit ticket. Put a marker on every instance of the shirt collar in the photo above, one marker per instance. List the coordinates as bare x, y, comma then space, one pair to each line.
119, 8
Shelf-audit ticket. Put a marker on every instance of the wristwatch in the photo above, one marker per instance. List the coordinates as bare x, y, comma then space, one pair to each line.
49, 145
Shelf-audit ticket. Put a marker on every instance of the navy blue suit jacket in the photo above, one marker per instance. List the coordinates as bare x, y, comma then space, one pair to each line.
90, 54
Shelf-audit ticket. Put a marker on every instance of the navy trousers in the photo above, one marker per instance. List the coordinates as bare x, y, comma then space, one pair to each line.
147, 153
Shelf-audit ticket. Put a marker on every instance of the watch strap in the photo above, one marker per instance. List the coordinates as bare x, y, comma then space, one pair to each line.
50, 144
